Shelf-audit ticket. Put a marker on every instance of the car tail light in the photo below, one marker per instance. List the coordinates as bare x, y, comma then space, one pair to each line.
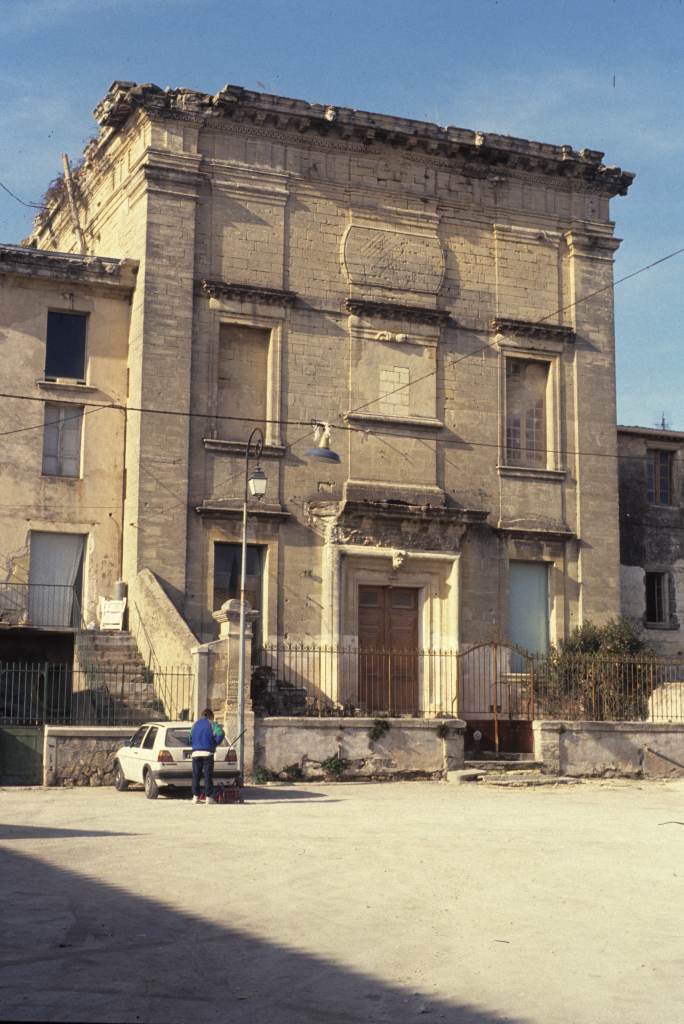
231, 755
165, 757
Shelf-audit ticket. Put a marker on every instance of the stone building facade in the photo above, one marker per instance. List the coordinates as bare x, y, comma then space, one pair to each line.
651, 466
441, 297
64, 324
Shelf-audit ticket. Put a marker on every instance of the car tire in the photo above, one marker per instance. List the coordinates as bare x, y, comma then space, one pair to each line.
120, 780
151, 787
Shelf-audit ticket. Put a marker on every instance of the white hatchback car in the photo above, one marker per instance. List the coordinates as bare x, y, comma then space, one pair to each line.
159, 755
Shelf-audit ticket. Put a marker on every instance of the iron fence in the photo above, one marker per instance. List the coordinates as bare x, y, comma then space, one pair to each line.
488, 682
301, 679
57, 694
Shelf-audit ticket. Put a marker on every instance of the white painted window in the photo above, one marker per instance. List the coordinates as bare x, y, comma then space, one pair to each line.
62, 440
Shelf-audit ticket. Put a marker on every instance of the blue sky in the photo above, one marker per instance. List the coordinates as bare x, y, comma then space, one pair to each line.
605, 74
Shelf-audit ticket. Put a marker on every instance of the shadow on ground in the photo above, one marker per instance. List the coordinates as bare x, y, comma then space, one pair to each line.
38, 832
75, 949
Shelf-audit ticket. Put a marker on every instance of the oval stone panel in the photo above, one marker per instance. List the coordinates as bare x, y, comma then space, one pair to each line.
396, 260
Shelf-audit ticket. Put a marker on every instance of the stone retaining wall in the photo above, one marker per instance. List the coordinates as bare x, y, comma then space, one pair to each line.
586, 749
356, 748
82, 755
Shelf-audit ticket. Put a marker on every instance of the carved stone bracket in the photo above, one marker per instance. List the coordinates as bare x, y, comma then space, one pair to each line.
395, 525
551, 332
248, 293
397, 311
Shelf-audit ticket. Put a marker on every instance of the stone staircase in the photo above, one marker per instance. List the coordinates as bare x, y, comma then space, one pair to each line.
112, 672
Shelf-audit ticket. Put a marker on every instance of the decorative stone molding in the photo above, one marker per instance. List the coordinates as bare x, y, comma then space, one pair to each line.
397, 311
233, 509
219, 446
591, 245
235, 104
248, 293
537, 331
399, 527
66, 266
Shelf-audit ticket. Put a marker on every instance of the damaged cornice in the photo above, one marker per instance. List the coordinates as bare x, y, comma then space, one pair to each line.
472, 147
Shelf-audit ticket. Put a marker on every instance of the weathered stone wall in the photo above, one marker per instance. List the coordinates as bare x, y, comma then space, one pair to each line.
651, 536
383, 256
363, 748
586, 749
82, 755
31, 284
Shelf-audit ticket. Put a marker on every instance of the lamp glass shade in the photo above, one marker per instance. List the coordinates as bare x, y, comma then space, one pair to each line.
327, 454
257, 482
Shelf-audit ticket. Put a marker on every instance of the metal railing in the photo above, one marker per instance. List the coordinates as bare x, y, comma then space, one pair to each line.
57, 694
45, 605
496, 682
301, 679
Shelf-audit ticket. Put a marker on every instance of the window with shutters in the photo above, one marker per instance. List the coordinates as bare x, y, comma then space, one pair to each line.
659, 476
65, 349
62, 440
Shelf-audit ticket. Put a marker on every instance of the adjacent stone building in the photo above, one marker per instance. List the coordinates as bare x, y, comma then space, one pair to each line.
441, 297
64, 326
652, 534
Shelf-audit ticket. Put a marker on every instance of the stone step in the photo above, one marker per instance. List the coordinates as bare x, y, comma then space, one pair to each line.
486, 766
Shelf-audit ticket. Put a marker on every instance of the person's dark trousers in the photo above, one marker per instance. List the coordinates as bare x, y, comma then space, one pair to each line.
203, 765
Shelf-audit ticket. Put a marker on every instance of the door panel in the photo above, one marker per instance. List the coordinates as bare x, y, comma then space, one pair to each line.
388, 643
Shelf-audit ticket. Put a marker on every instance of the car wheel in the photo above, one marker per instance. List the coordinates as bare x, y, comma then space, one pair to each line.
120, 780
151, 787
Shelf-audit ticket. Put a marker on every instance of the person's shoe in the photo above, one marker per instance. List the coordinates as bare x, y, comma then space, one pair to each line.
195, 799
210, 800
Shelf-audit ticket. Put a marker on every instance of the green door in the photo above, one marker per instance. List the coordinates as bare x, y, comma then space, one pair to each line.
21, 755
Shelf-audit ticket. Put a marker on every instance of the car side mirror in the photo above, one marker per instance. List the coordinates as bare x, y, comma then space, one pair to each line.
127, 743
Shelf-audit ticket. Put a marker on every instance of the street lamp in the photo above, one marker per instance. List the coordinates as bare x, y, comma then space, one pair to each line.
255, 485
323, 449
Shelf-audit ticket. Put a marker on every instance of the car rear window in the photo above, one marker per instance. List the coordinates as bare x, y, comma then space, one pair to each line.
178, 737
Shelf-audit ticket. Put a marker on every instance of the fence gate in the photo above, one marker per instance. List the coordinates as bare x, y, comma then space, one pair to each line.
21, 755
496, 698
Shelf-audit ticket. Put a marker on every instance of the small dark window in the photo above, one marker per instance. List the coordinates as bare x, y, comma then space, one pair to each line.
659, 476
149, 739
66, 346
227, 566
657, 597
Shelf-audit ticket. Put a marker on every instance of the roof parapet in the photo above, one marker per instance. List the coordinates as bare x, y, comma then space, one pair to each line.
235, 102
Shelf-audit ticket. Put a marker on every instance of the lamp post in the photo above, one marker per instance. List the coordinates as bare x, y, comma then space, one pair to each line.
255, 485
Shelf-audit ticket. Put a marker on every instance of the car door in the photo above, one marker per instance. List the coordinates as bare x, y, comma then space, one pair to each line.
147, 754
134, 760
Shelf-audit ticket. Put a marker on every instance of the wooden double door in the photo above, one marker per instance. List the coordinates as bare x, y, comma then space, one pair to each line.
388, 650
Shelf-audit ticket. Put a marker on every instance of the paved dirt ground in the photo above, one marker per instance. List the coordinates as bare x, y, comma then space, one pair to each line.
347, 903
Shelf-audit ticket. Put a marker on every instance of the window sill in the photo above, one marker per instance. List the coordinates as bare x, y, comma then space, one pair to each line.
671, 626
63, 385
217, 444
532, 472
60, 476
420, 422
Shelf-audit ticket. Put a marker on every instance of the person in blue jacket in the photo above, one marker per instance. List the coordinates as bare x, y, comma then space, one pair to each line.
205, 736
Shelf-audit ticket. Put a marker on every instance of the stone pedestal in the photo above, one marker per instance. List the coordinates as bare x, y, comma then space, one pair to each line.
222, 689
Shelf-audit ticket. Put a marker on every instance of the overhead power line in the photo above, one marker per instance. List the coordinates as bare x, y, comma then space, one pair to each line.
33, 206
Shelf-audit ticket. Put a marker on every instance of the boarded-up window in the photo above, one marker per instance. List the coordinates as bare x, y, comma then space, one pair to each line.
526, 386
62, 440
242, 380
